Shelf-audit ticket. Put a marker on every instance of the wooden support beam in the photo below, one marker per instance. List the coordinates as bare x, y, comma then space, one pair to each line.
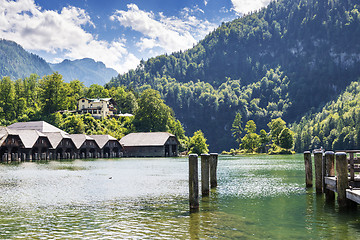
329, 172
205, 170
318, 159
342, 178
193, 183
308, 169
213, 169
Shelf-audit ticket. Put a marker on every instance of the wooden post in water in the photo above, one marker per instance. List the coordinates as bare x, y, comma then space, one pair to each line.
342, 178
329, 172
193, 183
213, 169
318, 158
308, 169
205, 170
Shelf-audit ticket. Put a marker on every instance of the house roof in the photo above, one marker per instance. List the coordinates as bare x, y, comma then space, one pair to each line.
79, 139
56, 137
40, 126
28, 137
145, 139
101, 140
4, 133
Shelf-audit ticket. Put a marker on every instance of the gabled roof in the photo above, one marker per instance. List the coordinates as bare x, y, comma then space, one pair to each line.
102, 140
79, 139
4, 133
56, 137
145, 139
40, 126
28, 137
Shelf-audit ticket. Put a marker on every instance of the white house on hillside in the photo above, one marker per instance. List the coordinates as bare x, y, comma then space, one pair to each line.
98, 107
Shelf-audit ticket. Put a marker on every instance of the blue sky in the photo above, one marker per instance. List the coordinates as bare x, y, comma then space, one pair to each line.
117, 32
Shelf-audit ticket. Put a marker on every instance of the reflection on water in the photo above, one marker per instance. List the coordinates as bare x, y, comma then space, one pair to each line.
257, 198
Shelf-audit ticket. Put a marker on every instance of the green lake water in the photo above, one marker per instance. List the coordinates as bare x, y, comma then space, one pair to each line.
258, 197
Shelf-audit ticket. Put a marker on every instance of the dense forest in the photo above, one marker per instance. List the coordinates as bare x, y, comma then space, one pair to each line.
50, 98
335, 127
264, 65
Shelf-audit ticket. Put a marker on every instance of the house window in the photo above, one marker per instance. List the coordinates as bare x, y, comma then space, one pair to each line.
83, 100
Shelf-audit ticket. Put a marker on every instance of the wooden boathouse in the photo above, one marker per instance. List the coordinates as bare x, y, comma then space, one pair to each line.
150, 144
23, 145
62, 146
85, 145
109, 146
39, 140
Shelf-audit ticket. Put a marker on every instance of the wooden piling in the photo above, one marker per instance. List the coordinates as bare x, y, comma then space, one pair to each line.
193, 183
205, 171
318, 159
213, 169
342, 178
329, 172
308, 169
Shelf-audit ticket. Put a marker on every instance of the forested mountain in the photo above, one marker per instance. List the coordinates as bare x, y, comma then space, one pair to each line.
335, 127
16, 62
86, 70
281, 61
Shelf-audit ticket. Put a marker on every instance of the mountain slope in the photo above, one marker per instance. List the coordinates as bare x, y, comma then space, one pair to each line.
86, 70
335, 127
18, 63
311, 44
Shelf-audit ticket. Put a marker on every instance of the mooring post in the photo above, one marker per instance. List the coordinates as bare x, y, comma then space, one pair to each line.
329, 172
318, 159
308, 169
213, 169
193, 183
205, 171
342, 178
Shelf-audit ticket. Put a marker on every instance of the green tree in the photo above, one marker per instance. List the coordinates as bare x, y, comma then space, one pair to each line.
198, 143
286, 138
250, 142
263, 139
52, 93
152, 115
250, 126
237, 127
276, 126
7, 99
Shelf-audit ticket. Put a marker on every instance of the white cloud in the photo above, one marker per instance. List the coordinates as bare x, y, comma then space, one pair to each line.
168, 33
45, 30
246, 6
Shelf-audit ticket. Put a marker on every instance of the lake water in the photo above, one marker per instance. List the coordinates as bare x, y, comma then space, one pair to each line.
258, 197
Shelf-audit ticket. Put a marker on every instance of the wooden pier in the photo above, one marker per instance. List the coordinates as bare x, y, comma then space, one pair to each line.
335, 173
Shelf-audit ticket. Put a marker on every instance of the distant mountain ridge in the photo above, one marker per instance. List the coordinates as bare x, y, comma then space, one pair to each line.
16, 62
86, 70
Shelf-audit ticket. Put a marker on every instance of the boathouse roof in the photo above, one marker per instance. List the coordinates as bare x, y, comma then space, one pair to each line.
102, 140
79, 139
4, 133
55, 138
40, 126
28, 137
145, 139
